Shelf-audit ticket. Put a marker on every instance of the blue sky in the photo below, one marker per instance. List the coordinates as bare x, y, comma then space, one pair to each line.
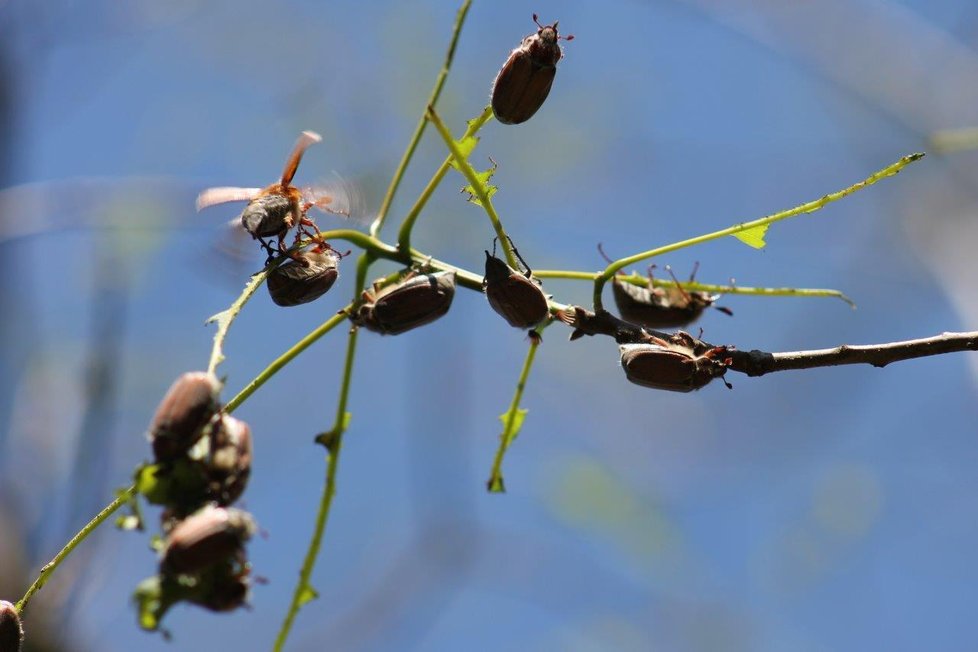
827, 509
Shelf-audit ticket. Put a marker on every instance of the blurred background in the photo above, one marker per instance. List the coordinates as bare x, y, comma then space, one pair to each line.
832, 509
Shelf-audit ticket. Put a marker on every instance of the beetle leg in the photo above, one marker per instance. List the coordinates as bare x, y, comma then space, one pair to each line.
685, 294
528, 273
267, 247
307, 222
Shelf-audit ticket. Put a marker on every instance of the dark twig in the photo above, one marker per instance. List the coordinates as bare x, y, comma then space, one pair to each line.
758, 363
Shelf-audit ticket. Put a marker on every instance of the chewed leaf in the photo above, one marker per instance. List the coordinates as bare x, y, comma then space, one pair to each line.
466, 146
753, 237
518, 419
483, 178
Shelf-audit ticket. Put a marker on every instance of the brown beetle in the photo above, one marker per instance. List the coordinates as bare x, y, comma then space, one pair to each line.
223, 587
416, 300
273, 210
306, 279
11, 630
180, 418
206, 537
662, 307
228, 463
515, 296
673, 366
524, 81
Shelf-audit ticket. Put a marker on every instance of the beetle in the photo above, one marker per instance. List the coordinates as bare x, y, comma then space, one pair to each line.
524, 81
275, 209
208, 536
305, 279
662, 307
11, 630
674, 366
228, 461
187, 407
223, 587
415, 300
515, 296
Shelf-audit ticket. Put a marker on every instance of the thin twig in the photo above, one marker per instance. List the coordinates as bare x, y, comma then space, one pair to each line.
513, 417
404, 233
50, 567
758, 363
478, 188
756, 226
423, 122
333, 440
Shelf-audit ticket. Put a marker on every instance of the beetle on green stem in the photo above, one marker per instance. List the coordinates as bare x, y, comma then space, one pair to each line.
309, 276
515, 296
415, 300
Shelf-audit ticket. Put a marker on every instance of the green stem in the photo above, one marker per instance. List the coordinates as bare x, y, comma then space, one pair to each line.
286, 358
333, 440
692, 286
513, 418
419, 130
226, 317
465, 278
404, 233
50, 567
477, 186
809, 207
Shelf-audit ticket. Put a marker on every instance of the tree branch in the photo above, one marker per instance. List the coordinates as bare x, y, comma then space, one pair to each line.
758, 363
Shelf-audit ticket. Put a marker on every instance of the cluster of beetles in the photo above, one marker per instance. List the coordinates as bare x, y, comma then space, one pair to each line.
201, 464
202, 456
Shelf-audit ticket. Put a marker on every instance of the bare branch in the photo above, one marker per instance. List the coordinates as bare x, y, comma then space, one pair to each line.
758, 363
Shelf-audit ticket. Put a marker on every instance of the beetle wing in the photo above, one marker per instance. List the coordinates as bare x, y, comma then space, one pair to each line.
337, 197
225, 194
521, 88
306, 138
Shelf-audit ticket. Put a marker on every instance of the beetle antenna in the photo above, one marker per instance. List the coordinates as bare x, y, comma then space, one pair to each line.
537, 21
678, 284
692, 275
528, 273
603, 254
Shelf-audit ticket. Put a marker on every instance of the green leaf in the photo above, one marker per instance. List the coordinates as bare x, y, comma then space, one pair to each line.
483, 178
753, 237
307, 595
517, 423
466, 146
